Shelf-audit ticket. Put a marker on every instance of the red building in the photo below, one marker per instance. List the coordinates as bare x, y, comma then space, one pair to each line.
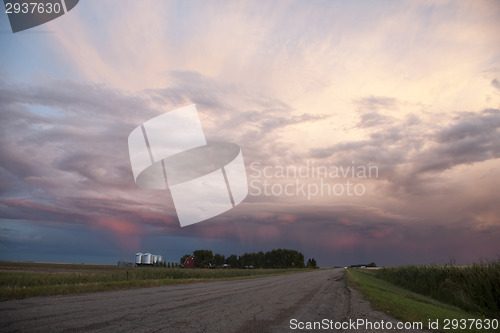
189, 263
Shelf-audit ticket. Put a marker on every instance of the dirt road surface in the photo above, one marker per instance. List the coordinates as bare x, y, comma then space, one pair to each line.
266, 304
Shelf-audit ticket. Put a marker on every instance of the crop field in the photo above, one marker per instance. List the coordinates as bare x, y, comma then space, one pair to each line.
409, 306
20, 280
474, 288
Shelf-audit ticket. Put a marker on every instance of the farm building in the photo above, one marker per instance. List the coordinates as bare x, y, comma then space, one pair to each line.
189, 263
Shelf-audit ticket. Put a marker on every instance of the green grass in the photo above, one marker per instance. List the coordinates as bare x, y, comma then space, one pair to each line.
406, 305
20, 280
474, 288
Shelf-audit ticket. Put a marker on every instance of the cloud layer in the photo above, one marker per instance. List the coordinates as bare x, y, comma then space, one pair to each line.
409, 88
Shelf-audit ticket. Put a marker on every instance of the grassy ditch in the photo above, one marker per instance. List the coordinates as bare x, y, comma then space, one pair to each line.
409, 306
474, 288
20, 280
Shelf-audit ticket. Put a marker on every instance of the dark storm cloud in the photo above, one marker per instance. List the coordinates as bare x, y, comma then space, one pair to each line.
86, 119
65, 172
471, 125
98, 212
65, 158
70, 97
66, 166
472, 138
66, 155
343, 233
94, 168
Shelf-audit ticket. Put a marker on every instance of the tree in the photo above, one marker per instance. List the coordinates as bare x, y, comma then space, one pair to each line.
219, 259
260, 260
203, 257
277, 258
245, 260
232, 261
184, 258
311, 263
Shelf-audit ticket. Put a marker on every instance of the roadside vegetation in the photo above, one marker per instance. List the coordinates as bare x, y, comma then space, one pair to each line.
423, 293
474, 288
20, 280
406, 305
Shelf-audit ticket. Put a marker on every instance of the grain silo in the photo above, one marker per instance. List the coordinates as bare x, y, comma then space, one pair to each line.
138, 259
146, 259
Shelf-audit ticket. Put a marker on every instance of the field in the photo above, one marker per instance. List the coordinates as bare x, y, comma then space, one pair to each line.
20, 280
422, 293
474, 288
408, 306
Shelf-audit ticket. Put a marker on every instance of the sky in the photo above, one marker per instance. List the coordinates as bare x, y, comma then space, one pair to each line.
409, 90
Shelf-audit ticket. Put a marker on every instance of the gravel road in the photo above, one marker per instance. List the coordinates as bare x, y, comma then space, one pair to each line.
266, 304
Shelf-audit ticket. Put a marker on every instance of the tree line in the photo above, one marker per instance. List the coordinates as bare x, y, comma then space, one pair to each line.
278, 258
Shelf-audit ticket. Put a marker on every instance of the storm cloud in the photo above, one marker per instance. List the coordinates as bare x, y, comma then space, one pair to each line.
408, 88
